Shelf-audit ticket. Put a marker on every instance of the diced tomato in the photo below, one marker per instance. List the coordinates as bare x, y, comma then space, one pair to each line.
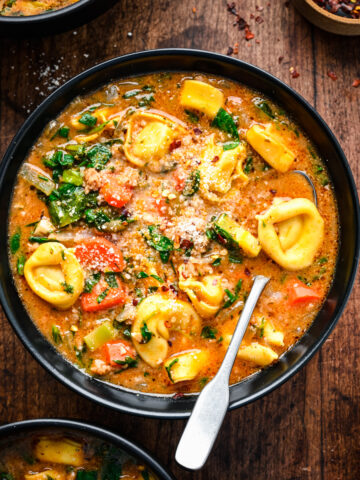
103, 297
179, 177
115, 192
100, 255
117, 351
160, 206
299, 292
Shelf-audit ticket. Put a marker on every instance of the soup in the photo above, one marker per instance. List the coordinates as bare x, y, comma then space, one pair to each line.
25, 8
141, 216
54, 456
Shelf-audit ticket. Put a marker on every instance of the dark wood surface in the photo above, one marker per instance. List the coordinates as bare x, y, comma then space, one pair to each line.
310, 427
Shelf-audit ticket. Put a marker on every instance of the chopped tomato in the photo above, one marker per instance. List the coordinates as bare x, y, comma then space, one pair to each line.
160, 206
299, 292
179, 177
118, 351
103, 297
115, 192
100, 255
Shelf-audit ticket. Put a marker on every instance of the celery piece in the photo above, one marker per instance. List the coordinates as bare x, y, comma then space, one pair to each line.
98, 337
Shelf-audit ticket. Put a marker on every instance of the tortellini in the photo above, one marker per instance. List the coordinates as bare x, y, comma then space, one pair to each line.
155, 316
206, 295
294, 248
186, 366
219, 169
55, 275
103, 117
201, 96
149, 137
265, 141
255, 352
268, 332
63, 451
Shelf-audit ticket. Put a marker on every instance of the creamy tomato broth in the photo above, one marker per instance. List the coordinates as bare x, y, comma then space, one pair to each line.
54, 456
16, 8
141, 216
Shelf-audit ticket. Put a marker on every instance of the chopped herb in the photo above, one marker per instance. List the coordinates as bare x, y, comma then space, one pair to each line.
62, 132
55, 331
146, 100
262, 328
79, 356
131, 93
169, 367
225, 122
230, 145
46, 179
238, 286
159, 279
283, 278
142, 275
248, 165
312, 153
20, 264
203, 381
264, 224
264, 107
231, 298
33, 239
129, 361
160, 243
216, 262
88, 120
192, 184
146, 374
322, 260
192, 117
304, 280
153, 289
15, 241
67, 288
102, 295
145, 333
235, 257
209, 332
91, 282
111, 280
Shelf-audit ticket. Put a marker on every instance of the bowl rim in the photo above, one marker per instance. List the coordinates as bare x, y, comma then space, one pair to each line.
332, 16
203, 55
47, 16
130, 447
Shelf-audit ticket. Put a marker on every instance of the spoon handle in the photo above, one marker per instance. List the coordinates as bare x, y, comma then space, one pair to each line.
211, 406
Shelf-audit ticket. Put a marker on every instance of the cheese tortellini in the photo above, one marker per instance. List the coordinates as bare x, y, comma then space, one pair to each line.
104, 120
206, 295
63, 451
201, 96
149, 137
155, 317
55, 275
186, 365
265, 141
255, 352
298, 241
219, 169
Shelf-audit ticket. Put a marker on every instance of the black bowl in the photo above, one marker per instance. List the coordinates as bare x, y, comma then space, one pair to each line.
13, 430
185, 60
55, 21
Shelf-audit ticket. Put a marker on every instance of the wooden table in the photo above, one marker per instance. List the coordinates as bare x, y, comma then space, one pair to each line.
310, 427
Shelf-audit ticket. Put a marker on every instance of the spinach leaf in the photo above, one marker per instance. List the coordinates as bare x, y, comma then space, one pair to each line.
96, 217
225, 122
208, 332
230, 145
62, 132
145, 333
66, 204
193, 118
86, 475
192, 184
15, 241
264, 107
160, 243
102, 295
131, 93
98, 156
88, 120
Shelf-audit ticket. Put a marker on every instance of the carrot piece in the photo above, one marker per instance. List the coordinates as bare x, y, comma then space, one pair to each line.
299, 292
115, 192
103, 297
100, 255
117, 351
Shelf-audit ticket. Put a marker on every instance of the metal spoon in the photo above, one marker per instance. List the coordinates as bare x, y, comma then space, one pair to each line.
308, 179
210, 408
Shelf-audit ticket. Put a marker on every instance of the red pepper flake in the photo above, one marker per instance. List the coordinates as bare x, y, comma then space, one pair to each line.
173, 290
294, 72
135, 302
175, 144
259, 20
273, 192
332, 75
230, 51
247, 272
197, 131
252, 16
236, 48
356, 83
194, 10
281, 59
215, 159
164, 288
178, 395
248, 34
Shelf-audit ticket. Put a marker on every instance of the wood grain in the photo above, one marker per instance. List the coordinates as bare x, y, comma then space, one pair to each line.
310, 427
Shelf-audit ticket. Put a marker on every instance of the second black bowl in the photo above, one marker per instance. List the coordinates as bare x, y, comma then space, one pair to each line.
185, 60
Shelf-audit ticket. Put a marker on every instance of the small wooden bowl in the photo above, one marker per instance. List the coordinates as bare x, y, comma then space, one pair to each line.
326, 20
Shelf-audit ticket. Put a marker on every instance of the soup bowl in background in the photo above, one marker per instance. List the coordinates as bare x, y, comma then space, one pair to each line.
261, 383
12, 431
55, 21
